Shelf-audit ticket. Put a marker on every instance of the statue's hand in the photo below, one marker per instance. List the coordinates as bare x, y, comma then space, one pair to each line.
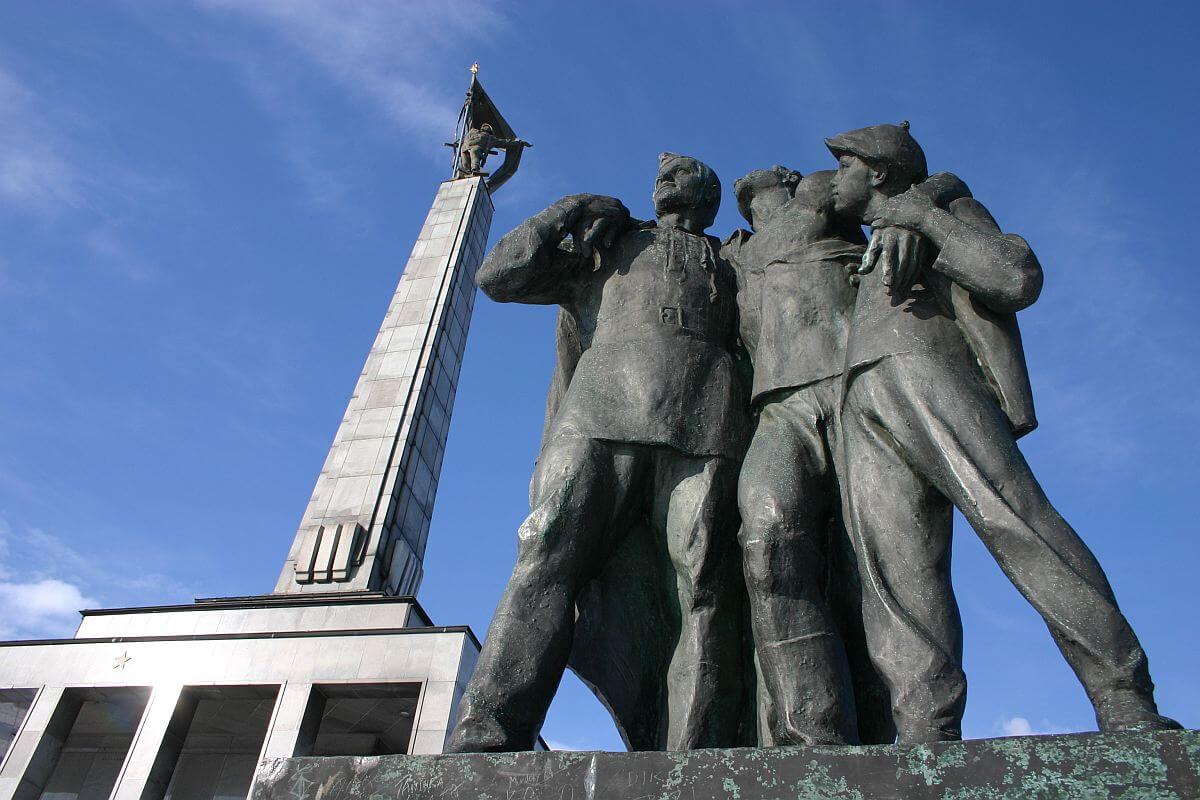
899, 253
595, 220
908, 210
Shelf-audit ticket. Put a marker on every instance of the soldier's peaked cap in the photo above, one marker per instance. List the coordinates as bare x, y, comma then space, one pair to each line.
888, 144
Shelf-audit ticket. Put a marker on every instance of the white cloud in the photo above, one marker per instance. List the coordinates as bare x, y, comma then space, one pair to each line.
35, 605
1021, 726
45, 582
1017, 726
559, 744
44, 608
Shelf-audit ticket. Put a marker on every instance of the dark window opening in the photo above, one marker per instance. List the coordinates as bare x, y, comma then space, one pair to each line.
14, 705
92, 731
361, 719
218, 735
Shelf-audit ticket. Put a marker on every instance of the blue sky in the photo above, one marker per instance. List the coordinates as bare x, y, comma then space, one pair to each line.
204, 208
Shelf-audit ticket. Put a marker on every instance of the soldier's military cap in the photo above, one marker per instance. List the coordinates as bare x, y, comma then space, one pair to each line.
887, 144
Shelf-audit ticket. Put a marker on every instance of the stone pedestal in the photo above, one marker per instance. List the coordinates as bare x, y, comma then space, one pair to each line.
1129, 766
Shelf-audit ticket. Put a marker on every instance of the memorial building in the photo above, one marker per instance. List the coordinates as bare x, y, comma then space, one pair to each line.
185, 701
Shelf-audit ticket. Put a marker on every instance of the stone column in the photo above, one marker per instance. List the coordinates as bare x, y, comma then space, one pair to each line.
157, 744
295, 721
366, 524
450, 668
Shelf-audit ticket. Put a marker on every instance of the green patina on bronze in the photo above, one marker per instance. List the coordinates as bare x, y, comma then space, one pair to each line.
1147, 766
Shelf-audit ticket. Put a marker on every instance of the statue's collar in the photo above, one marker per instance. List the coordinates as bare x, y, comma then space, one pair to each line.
653, 225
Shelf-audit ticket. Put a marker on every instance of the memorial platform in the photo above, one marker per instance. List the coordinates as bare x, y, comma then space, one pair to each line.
1130, 766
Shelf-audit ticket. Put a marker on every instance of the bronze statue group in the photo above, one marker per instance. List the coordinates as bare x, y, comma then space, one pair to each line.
740, 525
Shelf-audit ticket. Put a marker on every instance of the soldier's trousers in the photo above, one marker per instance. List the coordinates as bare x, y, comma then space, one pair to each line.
586, 493
922, 436
805, 603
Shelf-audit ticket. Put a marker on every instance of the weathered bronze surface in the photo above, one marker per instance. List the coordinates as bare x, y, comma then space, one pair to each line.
627, 564
1128, 766
853, 393
483, 131
935, 397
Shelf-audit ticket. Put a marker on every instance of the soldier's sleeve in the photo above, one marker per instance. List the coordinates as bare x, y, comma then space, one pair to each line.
530, 264
747, 297
998, 269
731, 251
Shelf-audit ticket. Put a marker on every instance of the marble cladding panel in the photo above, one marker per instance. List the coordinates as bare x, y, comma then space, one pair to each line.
396, 423
288, 719
201, 620
435, 705
404, 566
237, 661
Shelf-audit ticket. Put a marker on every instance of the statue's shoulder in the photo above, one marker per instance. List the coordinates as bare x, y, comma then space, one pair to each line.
974, 213
732, 247
737, 238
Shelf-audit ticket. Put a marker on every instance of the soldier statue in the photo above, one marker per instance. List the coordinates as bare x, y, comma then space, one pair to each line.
936, 395
795, 305
794, 301
477, 145
645, 432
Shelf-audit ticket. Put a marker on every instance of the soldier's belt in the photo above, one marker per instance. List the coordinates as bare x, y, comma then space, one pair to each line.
656, 323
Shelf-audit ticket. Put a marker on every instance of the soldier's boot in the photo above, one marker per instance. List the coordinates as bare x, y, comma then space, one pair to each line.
1131, 710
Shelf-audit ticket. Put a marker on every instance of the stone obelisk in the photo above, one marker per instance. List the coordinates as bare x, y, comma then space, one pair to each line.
191, 701
366, 524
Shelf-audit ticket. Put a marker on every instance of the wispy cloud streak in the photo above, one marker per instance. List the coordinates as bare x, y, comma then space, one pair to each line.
36, 177
384, 53
51, 175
